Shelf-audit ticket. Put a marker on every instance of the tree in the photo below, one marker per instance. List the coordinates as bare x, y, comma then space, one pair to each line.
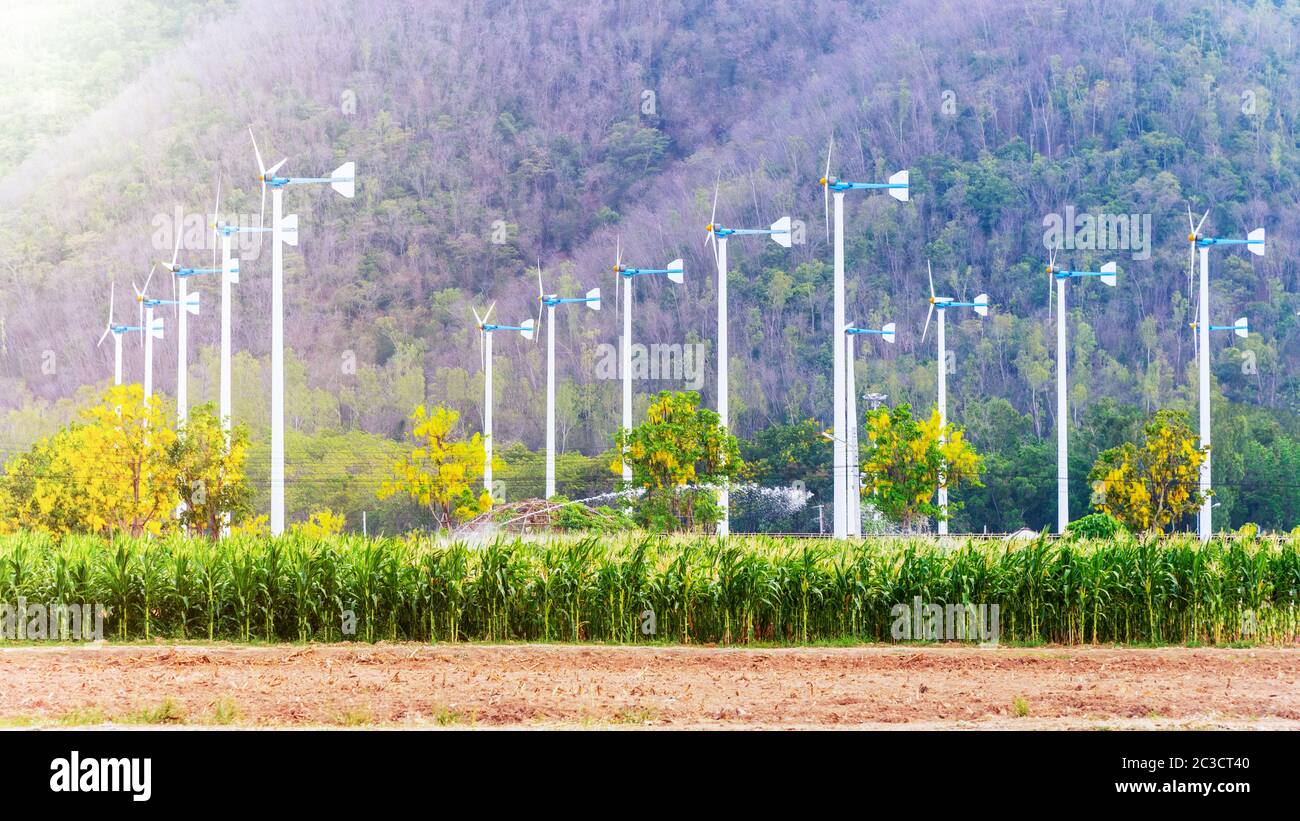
210, 472
37, 491
678, 456
119, 462
904, 463
1152, 484
440, 471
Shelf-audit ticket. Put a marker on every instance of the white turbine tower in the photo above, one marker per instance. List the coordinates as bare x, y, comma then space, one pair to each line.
886, 332
779, 231
1254, 243
1108, 276
486, 330
899, 190
181, 275
549, 302
942, 303
116, 331
343, 181
230, 276
676, 273
151, 327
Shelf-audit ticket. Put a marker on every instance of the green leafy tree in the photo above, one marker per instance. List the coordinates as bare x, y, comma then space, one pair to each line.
210, 472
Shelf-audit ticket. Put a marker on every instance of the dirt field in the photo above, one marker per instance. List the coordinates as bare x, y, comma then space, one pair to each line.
528, 686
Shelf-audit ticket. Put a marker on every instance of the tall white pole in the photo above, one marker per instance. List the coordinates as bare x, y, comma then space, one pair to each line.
840, 451
854, 474
487, 411
1204, 527
627, 369
724, 409
1062, 433
148, 351
943, 422
550, 401
182, 360
224, 390
117, 358
277, 362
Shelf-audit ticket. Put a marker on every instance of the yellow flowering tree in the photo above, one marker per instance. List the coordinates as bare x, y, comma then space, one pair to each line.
903, 463
1153, 484
441, 470
37, 490
119, 463
320, 525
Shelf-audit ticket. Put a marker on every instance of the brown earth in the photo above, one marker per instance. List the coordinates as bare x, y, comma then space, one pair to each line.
525, 686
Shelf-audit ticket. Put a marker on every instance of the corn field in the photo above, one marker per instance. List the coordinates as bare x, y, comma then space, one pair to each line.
1169, 590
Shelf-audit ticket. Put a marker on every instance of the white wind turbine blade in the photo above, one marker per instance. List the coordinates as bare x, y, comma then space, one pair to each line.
261, 175
901, 178
618, 263
826, 187
156, 329
781, 233
112, 289
344, 178
289, 229
1197, 230
541, 295
478, 324
888, 332
216, 209
1108, 274
594, 299
1257, 242
981, 304
676, 271
709, 236
529, 327
139, 301
192, 303
1241, 327
1051, 280
176, 251
488, 313
929, 273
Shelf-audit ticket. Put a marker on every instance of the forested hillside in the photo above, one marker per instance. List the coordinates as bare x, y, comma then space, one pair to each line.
488, 135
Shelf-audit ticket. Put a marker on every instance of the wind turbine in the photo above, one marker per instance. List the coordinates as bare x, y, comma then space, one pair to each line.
887, 333
180, 278
342, 180
1061, 275
942, 303
151, 326
116, 331
549, 302
898, 188
718, 234
230, 276
486, 330
676, 273
1254, 243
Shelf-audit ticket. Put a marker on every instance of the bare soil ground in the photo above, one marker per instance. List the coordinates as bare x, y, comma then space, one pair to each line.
531, 686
